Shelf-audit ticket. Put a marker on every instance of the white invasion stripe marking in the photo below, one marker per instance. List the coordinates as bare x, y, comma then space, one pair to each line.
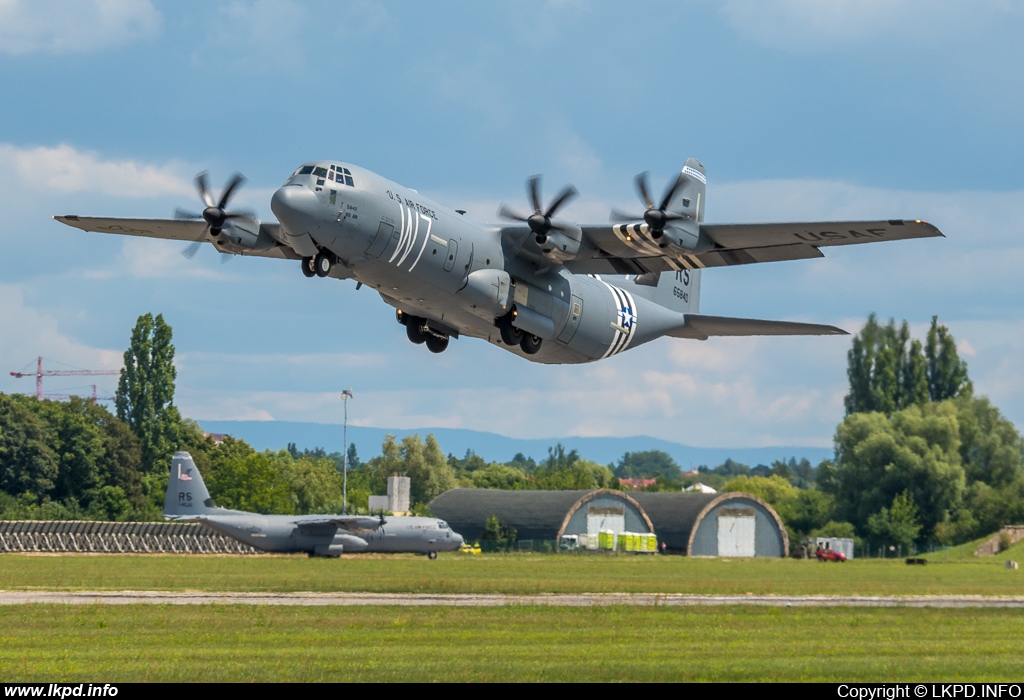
426, 239
623, 300
401, 235
412, 239
632, 322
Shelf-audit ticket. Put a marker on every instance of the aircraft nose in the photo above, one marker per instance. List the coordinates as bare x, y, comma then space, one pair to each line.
295, 207
457, 538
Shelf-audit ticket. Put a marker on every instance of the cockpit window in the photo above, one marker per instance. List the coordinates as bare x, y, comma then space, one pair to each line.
442, 525
320, 172
305, 170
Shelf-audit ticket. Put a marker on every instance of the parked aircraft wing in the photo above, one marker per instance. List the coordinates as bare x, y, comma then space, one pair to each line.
702, 327
352, 523
630, 249
189, 230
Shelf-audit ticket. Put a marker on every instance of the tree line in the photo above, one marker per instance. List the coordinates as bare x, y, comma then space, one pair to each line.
918, 457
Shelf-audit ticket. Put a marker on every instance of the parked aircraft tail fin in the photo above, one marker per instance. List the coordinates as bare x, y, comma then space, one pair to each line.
186, 492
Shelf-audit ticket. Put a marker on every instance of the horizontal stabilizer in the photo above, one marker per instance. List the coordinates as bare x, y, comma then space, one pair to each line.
701, 327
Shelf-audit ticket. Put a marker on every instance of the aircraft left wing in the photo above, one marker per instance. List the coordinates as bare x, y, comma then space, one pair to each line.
700, 327
265, 238
630, 249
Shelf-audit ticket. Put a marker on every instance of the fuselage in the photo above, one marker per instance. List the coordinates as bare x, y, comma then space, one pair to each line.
457, 277
287, 533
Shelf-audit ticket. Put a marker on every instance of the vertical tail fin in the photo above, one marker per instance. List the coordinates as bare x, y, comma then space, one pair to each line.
678, 291
690, 197
186, 492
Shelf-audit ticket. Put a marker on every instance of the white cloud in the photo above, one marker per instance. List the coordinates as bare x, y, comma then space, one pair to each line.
801, 26
65, 169
74, 26
29, 333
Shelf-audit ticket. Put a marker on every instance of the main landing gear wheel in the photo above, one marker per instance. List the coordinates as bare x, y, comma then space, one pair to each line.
435, 344
530, 344
307, 267
431, 555
322, 264
510, 335
412, 329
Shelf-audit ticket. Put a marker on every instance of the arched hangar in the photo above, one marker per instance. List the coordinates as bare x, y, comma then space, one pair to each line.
715, 524
541, 515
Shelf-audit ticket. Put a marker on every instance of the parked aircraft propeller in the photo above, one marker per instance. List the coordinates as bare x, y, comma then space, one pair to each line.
656, 217
540, 221
215, 214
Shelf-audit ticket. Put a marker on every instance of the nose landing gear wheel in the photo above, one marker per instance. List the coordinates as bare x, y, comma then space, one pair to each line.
435, 344
530, 344
431, 555
322, 265
307, 267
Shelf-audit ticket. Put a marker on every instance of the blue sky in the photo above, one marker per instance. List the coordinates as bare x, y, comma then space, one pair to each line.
800, 110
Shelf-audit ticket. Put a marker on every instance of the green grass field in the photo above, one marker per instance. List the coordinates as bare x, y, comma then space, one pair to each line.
241, 643
517, 573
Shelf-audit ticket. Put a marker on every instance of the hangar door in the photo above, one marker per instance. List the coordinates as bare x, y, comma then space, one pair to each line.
606, 518
736, 532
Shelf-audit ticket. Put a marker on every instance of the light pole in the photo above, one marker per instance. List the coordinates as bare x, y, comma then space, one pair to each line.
345, 396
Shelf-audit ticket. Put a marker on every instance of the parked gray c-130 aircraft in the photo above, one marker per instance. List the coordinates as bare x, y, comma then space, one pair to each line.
187, 500
534, 286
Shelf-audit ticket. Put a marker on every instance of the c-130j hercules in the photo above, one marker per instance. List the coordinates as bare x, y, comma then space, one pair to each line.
532, 287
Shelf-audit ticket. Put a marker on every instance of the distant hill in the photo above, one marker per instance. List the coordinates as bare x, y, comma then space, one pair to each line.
498, 448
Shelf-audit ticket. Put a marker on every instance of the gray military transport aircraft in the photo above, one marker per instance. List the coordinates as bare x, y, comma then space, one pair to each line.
532, 287
187, 500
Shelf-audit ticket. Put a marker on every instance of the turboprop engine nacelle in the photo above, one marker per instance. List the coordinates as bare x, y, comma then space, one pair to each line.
243, 234
686, 236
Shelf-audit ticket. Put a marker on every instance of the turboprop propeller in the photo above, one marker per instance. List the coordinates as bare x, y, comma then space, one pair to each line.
540, 221
656, 217
215, 215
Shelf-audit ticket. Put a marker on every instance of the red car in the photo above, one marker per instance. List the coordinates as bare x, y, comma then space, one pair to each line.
829, 554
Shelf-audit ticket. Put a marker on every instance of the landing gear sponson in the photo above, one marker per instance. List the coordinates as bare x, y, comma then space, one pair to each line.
510, 335
420, 332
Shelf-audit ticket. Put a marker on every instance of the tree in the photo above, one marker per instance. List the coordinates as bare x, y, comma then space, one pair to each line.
879, 457
898, 524
646, 464
887, 370
145, 391
315, 484
28, 466
240, 478
991, 449
500, 476
496, 536
947, 372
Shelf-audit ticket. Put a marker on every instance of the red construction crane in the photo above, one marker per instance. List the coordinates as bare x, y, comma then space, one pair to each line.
40, 373
67, 397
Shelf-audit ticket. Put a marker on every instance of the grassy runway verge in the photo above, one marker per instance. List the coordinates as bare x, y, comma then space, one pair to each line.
514, 574
241, 643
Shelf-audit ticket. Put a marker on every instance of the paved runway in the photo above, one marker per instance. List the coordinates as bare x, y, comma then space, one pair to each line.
484, 600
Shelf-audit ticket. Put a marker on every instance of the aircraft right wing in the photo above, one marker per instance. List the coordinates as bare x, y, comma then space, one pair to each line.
630, 249
352, 523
